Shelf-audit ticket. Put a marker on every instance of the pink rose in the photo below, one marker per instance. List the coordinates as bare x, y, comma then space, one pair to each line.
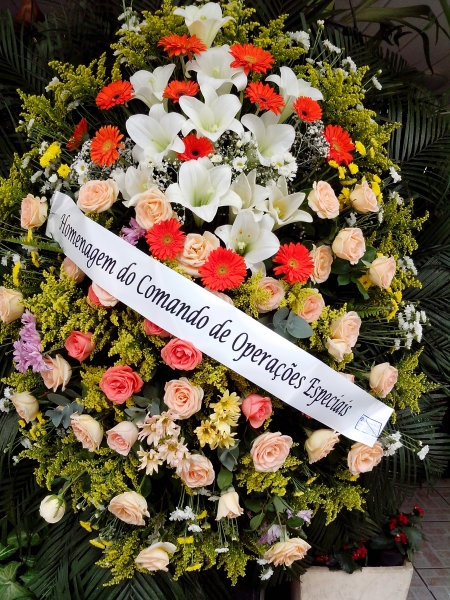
180, 354
11, 307
58, 374
362, 458
276, 290
101, 297
269, 451
222, 296
79, 345
72, 271
363, 198
87, 430
33, 212
348, 376
382, 379
196, 250
256, 409
346, 328
382, 271
119, 383
151, 207
312, 307
129, 507
338, 348
196, 471
97, 196
182, 398
349, 244
322, 200
323, 260
152, 329
121, 437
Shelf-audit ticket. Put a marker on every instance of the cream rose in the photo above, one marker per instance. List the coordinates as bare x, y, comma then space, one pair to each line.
322, 200
347, 376
338, 348
52, 508
382, 271
129, 507
323, 259
87, 430
196, 471
105, 298
97, 196
151, 207
33, 212
11, 307
121, 437
349, 244
276, 290
312, 306
182, 398
320, 443
285, 553
156, 556
196, 251
382, 379
58, 374
228, 506
363, 198
26, 405
222, 296
346, 328
72, 271
362, 458
269, 451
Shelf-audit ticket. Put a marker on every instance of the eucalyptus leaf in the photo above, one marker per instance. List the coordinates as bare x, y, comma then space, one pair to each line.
224, 478
280, 315
58, 399
141, 401
298, 327
279, 504
229, 456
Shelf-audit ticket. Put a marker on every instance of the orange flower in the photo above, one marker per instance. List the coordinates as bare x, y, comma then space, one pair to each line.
340, 144
251, 58
195, 147
265, 97
104, 146
307, 109
223, 270
295, 263
117, 92
175, 45
165, 239
77, 135
176, 89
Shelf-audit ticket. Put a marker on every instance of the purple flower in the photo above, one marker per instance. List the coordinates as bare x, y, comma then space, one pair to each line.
271, 535
27, 349
133, 233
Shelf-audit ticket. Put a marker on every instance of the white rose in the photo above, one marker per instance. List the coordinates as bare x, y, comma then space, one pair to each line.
320, 443
52, 508
229, 506
26, 405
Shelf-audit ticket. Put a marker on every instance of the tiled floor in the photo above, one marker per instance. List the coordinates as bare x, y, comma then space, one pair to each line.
431, 579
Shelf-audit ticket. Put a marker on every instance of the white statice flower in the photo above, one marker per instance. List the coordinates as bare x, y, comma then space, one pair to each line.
396, 177
65, 95
262, 561
331, 47
177, 515
5, 260
15, 460
310, 61
391, 443
72, 105
423, 317
221, 550
53, 178
15, 258
36, 176
397, 343
348, 62
301, 38
266, 574
26, 443
216, 159
214, 498
194, 528
423, 452
53, 82
376, 83
351, 219
26, 162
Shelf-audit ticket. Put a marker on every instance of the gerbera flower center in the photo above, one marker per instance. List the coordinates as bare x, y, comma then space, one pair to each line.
107, 146
222, 269
249, 58
167, 239
293, 263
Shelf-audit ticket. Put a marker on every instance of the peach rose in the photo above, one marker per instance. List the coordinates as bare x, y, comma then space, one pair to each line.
322, 200
129, 507
97, 196
382, 271
285, 553
228, 506
382, 379
323, 259
152, 329
196, 250
87, 430
182, 355
151, 207
72, 271
11, 307
33, 212
256, 409
121, 437
312, 306
276, 290
222, 296
156, 556
363, 198
349, 244
58, 374
26, 405
338, 348
182, 398
362, 458
119, 383
79, 345
320, 443
101, 297
269, 451
347, 376
196, 471
346, 328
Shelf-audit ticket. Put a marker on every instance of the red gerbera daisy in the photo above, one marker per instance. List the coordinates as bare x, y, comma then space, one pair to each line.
307, 109
223, 270
176, 89
175, 45
251, 58
295, 263
165, 239
77, 135
105, 144
340, 144
195, 147
265, 97
117, 92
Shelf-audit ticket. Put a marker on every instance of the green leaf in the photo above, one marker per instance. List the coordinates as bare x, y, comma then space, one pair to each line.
279, 504
146, 486
224, 478
253, 505
369, 255
141, 401
295, 522
340, 266
58, 399
414, 536
280, 315
229, 456
256, 521
343, 279
298, 327
8, 572
361, 289
6, 551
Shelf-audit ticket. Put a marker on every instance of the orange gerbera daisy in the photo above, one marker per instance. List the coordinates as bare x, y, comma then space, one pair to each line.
307, 109
295, 263
77, 135
175, 45
251, 58
165, 239
105, 144
265, 97
195, 147
340, 144
176, 89
117, 92
223, 270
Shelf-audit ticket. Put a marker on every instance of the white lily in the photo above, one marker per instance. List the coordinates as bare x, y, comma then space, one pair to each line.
213, 69
250, 238
149, 87
283, 207
133, 181
250, 193
291, 88
155, 134
202, 188
204, 21
212, 117
271, 137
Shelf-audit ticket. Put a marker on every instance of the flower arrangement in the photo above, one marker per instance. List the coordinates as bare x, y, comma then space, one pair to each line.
263, 183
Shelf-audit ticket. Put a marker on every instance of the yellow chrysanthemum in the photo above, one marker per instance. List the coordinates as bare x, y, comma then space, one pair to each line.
360, 148
353, 168
63, 170
52, 152
227, 405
